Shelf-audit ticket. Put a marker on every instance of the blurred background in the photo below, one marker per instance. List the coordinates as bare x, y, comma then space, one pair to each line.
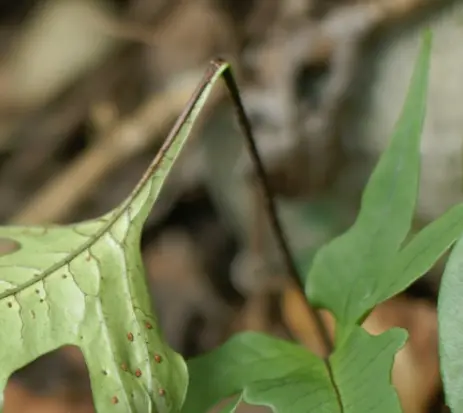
90, 88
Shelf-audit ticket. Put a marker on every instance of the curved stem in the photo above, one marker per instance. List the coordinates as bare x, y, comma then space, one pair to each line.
270, 205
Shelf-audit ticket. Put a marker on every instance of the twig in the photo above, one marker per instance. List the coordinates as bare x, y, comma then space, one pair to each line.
398, 9
270, 203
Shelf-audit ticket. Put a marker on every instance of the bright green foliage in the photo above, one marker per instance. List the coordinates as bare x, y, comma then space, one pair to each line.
84, 285
419, 255
368, 263
270, 371
450, 328
356, 271
289, 379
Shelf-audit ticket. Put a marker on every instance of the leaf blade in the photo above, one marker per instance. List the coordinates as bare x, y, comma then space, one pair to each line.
388, 201
347, 274
287, 378
420, 254
449, 326
83, 285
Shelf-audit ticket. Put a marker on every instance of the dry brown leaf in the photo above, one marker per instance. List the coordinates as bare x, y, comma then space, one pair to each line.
182, 290
18, 399
58, 384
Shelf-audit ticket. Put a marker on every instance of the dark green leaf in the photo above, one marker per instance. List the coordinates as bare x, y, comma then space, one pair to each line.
287, 378
348, 274
421, 253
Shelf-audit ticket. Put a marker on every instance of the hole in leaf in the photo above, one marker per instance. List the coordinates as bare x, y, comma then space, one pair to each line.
8, 246
57, 381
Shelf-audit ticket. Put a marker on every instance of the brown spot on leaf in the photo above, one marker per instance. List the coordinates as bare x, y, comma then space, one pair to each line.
162, 392
157, 358
8, 246
138, 372
130, 336
148, 326
114, 400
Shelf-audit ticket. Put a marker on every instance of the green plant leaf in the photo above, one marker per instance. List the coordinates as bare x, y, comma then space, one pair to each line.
348, 274
288, 378
421, 253
450, 324
84, 285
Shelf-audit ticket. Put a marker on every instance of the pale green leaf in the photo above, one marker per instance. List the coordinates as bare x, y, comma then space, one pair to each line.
450, 316
84, 285
288, 378
348, 274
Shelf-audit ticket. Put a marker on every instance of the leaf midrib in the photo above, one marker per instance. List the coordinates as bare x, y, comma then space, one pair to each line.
115, 214
333, 383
